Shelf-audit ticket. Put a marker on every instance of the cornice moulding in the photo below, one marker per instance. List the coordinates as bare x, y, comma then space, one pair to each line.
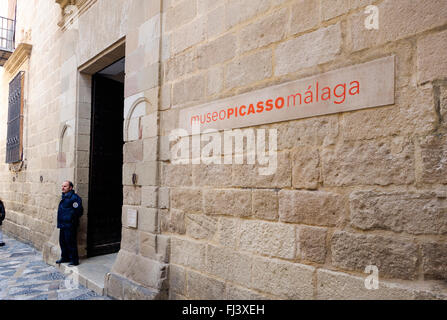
20, 54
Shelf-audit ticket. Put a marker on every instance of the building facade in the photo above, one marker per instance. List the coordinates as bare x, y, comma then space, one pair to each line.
344, 198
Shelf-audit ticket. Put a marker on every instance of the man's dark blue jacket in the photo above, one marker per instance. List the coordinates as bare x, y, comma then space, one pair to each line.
70, 210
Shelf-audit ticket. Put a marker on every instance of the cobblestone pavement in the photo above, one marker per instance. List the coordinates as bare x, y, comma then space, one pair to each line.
25, 276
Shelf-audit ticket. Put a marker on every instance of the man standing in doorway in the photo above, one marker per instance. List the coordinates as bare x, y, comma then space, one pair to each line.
68, 214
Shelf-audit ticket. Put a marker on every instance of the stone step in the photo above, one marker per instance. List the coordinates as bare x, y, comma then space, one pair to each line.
90, 272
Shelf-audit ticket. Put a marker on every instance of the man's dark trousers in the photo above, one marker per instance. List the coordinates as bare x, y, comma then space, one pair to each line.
68, 243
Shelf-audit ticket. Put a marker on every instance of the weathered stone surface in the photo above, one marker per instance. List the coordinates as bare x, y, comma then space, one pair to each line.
163, 198
180, 14
311, 207
228, 264
215, 22
305, 16
434, 260
188, 253
248, 175
434, 159
186, 199
305, 168
267, 238
176, 296
129, 240
216, 51
238, 293
308, 50
332, 285
163, 247
212, 175
417, 109
177, 279
283, 279
412, 113
150, 149
263, 32
415, 213
133, 151
189, 90
214, 80
188, 35
201, 287
147, 245
333, 8
200, 226
227, 232
146, 173
265, 204
131, 195
237, 11
204, 6
430, 60
394, 258
123, 261
249, 69
312, 243
369, 162
166, 97
180, 65
149, 196
135, 291
443, 105
227, 202
147, 272
168, 121
172, 221
113, 286
312, 131
397, 20
147, 219
176, 175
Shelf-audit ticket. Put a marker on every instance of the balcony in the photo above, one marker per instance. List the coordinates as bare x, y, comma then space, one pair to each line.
7, 37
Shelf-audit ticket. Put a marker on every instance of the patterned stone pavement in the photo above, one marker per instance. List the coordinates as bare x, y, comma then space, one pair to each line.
25, 276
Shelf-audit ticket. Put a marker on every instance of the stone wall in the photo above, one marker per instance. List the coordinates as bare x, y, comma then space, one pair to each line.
359, 188
353, 189
30, 190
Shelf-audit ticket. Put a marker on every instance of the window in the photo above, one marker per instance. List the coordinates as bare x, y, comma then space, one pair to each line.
15, 120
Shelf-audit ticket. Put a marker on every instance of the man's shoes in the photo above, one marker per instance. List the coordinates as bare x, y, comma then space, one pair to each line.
72, 264
2, 244
61, 261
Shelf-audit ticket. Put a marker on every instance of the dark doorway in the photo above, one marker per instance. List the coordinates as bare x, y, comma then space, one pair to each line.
105, 198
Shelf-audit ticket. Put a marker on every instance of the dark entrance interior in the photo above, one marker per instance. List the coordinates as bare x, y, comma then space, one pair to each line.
105, 198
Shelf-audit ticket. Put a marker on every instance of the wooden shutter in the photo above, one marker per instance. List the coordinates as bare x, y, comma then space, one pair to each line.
15, 120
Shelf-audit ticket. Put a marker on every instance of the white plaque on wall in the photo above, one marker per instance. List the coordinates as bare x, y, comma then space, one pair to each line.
132, 215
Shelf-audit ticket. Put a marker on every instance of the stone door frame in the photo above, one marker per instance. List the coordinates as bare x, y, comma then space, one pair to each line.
83, 121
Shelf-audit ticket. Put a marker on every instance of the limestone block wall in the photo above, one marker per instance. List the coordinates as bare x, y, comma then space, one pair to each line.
30, 190
359, 188
56, 114
353, 189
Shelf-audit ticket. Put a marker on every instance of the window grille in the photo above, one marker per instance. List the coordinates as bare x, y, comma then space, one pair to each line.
15, 120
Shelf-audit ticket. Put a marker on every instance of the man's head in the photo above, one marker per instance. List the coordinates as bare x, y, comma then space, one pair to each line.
67, 186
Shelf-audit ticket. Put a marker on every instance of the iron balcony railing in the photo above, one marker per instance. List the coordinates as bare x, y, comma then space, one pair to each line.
7, 39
